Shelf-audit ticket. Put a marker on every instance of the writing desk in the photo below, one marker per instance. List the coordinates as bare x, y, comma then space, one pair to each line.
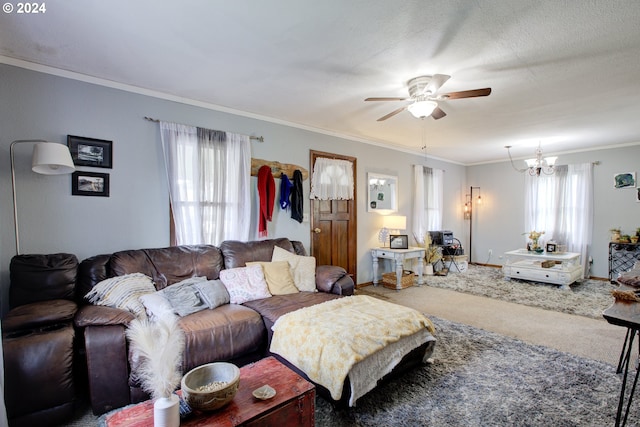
627, 315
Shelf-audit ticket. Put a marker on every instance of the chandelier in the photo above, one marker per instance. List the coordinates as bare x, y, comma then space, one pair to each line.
538, 165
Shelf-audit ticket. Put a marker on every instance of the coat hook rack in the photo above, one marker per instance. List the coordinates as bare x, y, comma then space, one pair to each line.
277, 168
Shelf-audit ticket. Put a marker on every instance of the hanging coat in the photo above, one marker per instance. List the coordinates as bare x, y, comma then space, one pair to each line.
266, 193
285, 192
297, 206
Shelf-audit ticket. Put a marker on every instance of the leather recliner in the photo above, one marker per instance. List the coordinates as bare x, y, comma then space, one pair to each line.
38, 340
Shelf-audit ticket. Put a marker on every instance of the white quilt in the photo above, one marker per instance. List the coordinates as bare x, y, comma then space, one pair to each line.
325, 341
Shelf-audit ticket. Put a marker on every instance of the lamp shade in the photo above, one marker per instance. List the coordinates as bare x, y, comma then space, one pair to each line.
395, 222
50, 158
422, 108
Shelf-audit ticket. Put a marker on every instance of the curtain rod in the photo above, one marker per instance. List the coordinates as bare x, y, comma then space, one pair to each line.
257, 138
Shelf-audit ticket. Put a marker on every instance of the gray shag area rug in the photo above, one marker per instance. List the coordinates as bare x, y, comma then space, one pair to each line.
479, 378
588, 298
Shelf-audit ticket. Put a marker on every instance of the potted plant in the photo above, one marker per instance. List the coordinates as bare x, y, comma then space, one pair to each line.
625, 238
432, 254
615, 234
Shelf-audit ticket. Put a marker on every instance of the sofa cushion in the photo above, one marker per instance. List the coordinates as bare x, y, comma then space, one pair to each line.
221, 334
278, 277
237, 254
303, 268
245, 283
184, 297
39, 314
272, 308
169, 265
213, 293
156, 305
42, 277
122, 292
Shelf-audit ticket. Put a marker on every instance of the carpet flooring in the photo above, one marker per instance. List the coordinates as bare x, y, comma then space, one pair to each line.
587, 298
479, 378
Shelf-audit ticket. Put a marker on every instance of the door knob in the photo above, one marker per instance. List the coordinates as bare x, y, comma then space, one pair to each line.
316, 230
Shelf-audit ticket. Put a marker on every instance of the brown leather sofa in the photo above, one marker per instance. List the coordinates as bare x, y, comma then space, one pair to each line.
231, 332
38, 340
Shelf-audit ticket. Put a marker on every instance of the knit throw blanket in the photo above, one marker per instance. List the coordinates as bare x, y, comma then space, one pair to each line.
326, 340
267, 194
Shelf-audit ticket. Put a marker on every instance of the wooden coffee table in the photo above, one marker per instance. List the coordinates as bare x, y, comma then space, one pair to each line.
293, 404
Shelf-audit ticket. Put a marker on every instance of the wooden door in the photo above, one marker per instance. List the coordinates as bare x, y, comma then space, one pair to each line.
334, 225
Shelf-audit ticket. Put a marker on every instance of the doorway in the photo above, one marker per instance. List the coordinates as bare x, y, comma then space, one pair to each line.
334, 224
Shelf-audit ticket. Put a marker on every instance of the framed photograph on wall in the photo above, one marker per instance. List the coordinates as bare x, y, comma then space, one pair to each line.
399, 241
93, 152
624, 180
90, 184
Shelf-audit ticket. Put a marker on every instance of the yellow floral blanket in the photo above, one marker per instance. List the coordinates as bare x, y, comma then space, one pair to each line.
326, 340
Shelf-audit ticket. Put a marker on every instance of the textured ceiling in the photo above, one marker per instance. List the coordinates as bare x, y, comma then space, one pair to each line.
563, 73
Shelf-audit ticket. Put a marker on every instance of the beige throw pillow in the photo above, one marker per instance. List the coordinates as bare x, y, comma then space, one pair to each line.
303, 268
278, 277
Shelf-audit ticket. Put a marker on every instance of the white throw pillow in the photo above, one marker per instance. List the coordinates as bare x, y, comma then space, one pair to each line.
303, 268
122, 292
157, 305
245, 283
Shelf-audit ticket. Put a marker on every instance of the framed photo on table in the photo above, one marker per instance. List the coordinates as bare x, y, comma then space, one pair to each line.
398, 241
551, 247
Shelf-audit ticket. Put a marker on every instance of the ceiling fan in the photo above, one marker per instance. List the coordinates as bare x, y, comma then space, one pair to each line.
424, 99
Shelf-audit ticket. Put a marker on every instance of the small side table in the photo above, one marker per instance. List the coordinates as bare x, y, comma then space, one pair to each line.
399, 256
627, 315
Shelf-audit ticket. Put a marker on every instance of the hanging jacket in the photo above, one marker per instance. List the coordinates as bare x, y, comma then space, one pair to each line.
297, 205
266, 193
285, 192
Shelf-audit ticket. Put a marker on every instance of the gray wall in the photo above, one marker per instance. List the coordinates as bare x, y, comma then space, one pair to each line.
44, 106
499, 222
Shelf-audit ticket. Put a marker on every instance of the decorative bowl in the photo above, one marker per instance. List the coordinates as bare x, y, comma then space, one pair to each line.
211, 386
538, 250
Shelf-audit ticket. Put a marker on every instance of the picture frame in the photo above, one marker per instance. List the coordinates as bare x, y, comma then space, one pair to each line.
382, 193
90, 184
624, 180
399, 241
551, 247
97, 153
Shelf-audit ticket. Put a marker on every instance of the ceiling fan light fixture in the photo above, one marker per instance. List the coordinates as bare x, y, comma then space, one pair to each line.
420, 109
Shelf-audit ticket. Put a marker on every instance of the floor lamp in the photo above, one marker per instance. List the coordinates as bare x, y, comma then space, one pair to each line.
470, 216
48, 158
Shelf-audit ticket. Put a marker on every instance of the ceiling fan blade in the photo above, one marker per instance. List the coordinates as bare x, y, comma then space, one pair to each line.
391, 114
465, 94
436, 82
386, 99
438, 113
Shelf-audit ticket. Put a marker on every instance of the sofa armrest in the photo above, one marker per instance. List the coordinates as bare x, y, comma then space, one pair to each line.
333, 279
344, 286
38, 314
107, 367
96, 315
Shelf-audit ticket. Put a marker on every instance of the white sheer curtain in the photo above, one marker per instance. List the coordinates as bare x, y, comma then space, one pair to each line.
561, 205
332, 179
428, 201
209, 183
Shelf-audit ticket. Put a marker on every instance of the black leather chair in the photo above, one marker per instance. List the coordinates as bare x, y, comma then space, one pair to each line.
38, 340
